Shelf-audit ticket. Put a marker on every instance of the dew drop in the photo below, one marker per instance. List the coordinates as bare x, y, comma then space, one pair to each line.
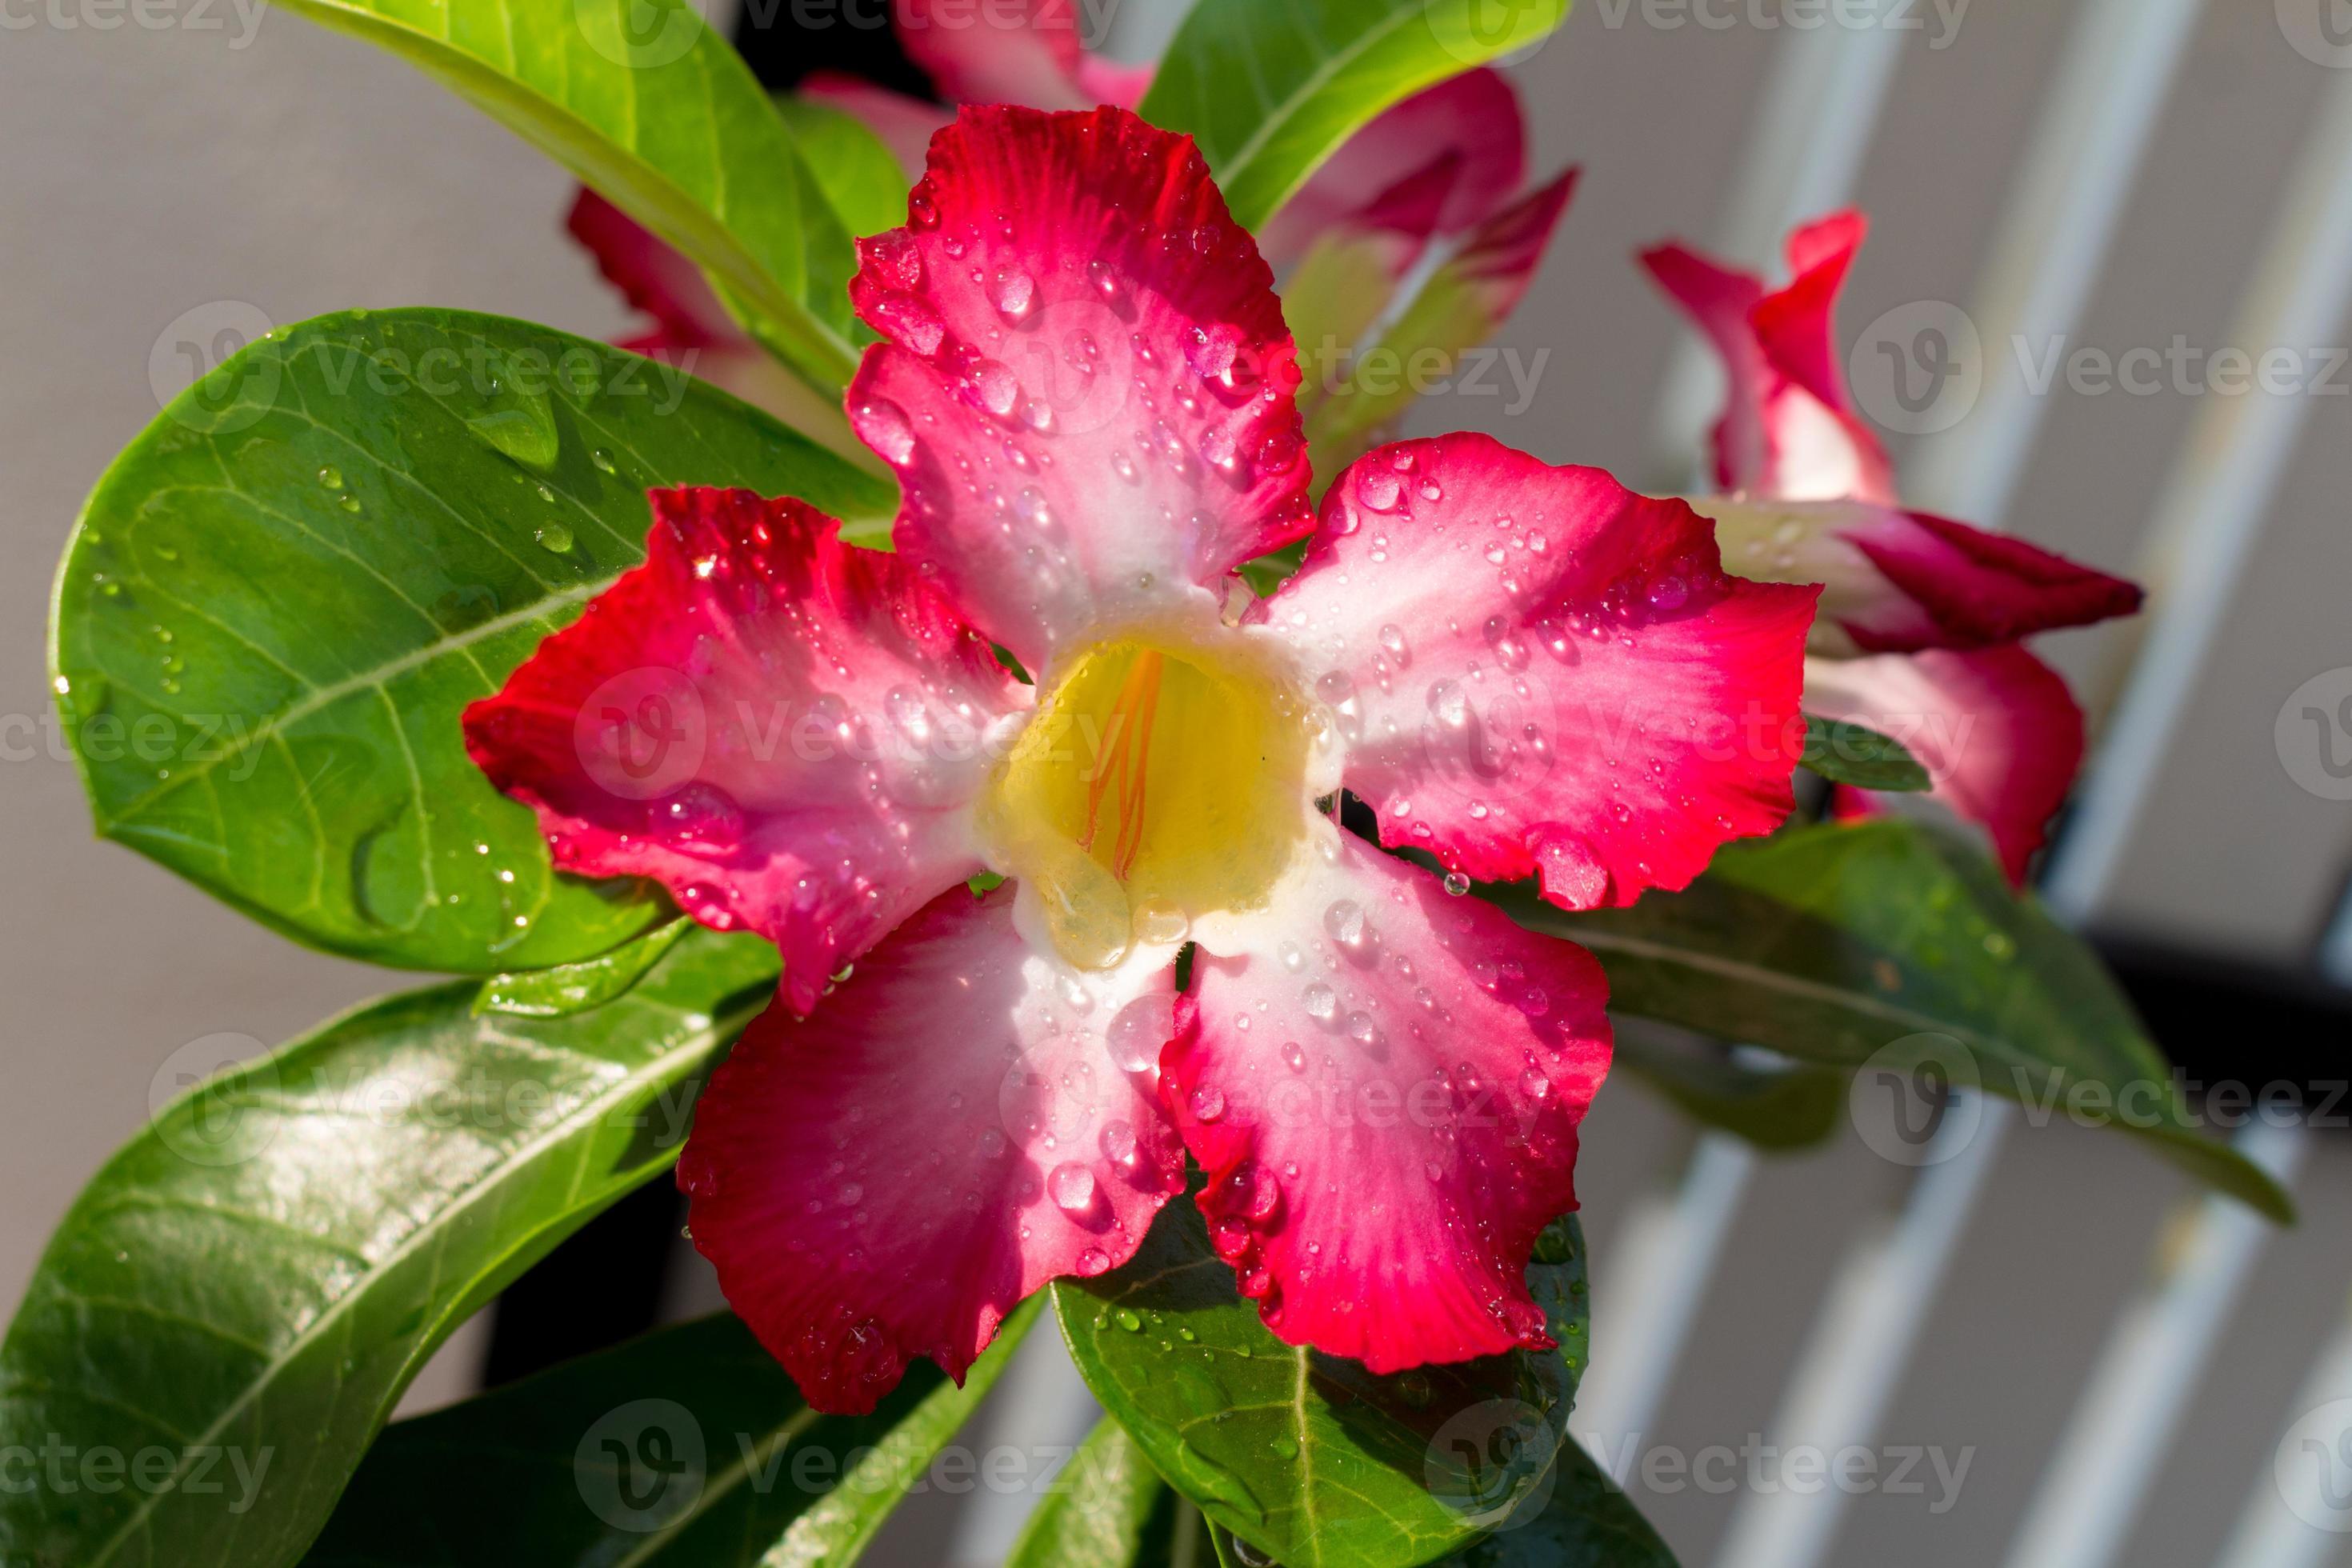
1072, 1186
1094, 1260
1449, 704
1456, 883
1379, 489
883, 425
1345, 920
1208, 1104
1322, 1002
552, 535
1139, 1029
1012, 291
1158, 921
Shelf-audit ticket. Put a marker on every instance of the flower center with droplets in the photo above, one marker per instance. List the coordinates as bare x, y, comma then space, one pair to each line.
1156, 785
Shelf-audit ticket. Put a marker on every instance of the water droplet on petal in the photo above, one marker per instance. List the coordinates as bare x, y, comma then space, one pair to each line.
1071, 1186
1345, 920
1208, 1104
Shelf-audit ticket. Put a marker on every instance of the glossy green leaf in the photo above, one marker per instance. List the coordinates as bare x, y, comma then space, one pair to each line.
1842, 945
1110, 1508
1586, 1523
1789, 1106
254, 1278
1308, 1458
576, 987
1853, 755
860, 177
689, 1447
645, 102
1271, 90
285, 592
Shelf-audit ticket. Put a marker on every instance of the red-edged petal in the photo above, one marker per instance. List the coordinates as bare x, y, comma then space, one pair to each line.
1497, 261
780, 729
1537, 670
1995, 728
1897, 580
889, 1177
653, 279
1789, 429
1087, 389
905, 125
1473, 121
1007, 52
1385, 1100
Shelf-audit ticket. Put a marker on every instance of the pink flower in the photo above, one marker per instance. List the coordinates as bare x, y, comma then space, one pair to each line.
1086, 390
1811, 497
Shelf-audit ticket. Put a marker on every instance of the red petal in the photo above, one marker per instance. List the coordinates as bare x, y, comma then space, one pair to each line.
654, 278
780, 729
1995, 728
1537, 670
1788, 428
1006, 52
1472, 121
1385, 1101
1087, 387
889, 1178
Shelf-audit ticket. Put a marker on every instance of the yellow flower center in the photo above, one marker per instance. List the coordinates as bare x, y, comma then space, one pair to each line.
1156, 785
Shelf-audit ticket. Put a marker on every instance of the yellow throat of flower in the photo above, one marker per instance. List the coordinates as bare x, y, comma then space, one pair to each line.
1155, 787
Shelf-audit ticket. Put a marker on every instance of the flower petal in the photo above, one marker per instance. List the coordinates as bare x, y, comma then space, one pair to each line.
654, 278
905, 125
1537, 670
1995, 728
783, 729
888, 1177
1897, 580
1385, 1101
1008, 51
1789, 429
1087, 389
1473, 121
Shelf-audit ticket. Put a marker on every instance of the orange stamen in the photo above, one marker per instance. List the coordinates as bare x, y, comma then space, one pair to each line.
1126, 761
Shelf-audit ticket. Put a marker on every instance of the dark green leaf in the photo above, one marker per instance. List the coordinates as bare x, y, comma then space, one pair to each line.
254, 1278
576, 987
283, 594
1309, 1457
1269, 91
1850, 754
1586, 1523
687, 1448
1884, 940
643, 100
1781, 1108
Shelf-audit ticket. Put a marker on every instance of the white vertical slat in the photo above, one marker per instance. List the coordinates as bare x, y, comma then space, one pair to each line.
2130, 1408
2217, 502
2280, 1526
1861, 1340
1814, 125
2054, 239
1660, 1264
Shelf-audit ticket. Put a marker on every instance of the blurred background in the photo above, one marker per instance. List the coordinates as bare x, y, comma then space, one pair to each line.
2068, 174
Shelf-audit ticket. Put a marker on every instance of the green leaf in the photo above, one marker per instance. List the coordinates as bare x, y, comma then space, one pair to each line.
1586, 1522
1781, 1109
643, 100
689, 1447
1104, 1511
284, 593
1311, 1458
576, 987
861, 178
1269, 91
255, 1278
1837, 944
1851, 754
